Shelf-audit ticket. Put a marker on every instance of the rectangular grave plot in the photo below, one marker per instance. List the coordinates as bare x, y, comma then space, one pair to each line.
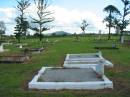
97, 66
13, 59
82, 57
79, 60
60, 78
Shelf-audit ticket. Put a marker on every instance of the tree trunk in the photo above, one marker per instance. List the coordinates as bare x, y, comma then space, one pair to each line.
19, 39
40, 32
109, 35
121, 37
123, 26
40, 36
1, 37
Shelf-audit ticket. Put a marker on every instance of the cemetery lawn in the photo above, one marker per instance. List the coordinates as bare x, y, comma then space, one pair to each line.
15, 77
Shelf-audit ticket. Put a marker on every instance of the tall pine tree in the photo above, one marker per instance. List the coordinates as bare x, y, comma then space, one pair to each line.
21, 23
43, 17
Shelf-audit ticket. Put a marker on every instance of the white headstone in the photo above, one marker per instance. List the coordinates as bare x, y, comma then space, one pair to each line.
20, 46
1, 48
117, 30
100, 32
122, 39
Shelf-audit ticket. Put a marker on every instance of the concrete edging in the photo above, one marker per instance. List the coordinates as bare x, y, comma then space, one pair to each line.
106, 62
34, 84
99, 68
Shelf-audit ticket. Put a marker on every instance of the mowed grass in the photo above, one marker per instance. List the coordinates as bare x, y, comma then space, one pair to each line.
15, 77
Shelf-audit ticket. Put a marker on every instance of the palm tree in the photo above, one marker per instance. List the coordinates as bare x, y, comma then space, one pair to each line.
112, 11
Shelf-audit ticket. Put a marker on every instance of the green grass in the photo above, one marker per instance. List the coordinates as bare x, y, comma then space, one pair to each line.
15, 77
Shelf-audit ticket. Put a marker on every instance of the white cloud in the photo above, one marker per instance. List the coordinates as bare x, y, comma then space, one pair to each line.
70, 20
65, 19
7, 15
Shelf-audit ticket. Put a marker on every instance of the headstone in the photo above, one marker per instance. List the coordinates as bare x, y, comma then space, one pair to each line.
122, 39
113, 45
117, 31
1, 48
20, 46
99, 34
47, 40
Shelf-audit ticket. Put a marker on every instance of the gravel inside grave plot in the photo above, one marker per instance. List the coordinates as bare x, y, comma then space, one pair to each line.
83, 56
69, 75
85, 62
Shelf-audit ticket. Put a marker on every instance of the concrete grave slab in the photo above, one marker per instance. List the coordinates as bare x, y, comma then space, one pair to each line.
77, 60
2, 47
34, 50
62, 78
14, 59
98, 66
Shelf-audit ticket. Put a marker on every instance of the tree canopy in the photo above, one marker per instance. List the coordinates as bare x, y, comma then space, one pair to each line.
112, 16
83, 26
21, 23
44, 17
2, 27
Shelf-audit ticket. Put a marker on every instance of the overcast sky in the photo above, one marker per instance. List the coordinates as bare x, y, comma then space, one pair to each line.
68, 14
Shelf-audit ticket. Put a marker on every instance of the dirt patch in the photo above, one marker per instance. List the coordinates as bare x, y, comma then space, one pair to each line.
61, 62
119, 69
121, 85
24, 83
